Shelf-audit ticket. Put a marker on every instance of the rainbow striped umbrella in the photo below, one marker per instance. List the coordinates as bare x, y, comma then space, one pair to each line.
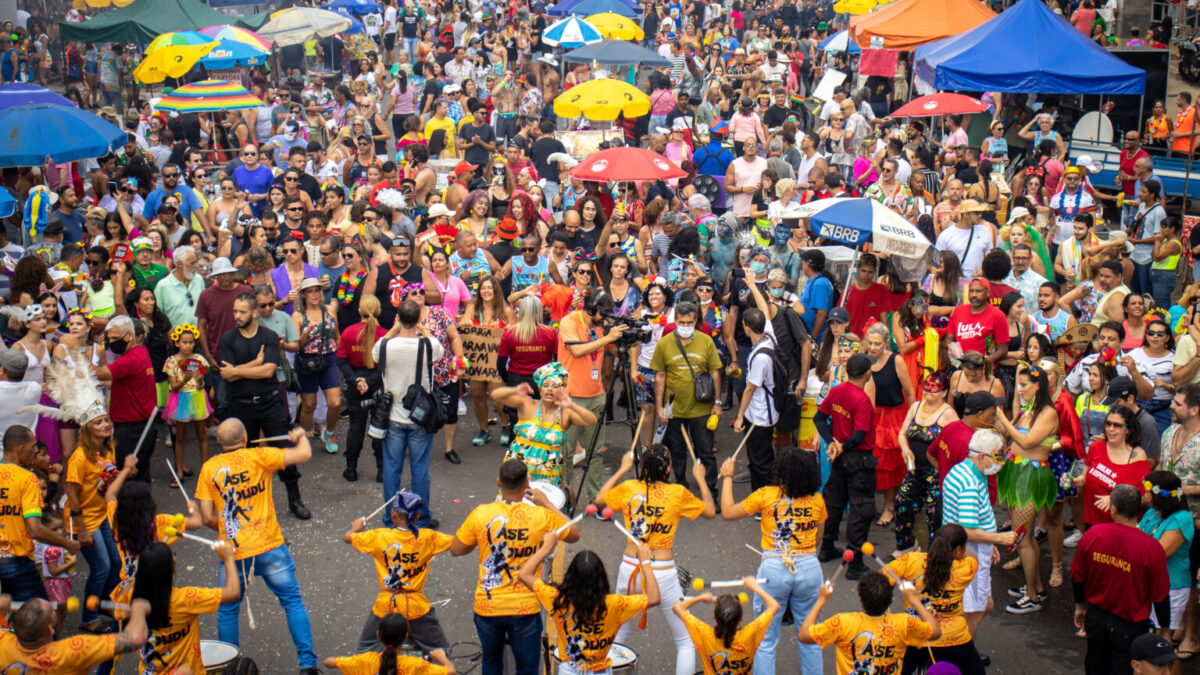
180, 38
236, 34
207, 96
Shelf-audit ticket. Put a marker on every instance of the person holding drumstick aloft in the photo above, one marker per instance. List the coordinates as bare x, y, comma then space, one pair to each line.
586, 614
725, 648
653, 507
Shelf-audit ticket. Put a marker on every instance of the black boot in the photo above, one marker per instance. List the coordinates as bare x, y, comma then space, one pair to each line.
295, 505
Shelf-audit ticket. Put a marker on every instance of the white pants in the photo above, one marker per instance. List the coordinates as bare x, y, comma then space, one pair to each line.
565, 668
979, 591
669, 594
1178, 598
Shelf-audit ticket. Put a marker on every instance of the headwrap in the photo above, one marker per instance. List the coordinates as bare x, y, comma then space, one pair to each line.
552, 373
409, 504
37, 210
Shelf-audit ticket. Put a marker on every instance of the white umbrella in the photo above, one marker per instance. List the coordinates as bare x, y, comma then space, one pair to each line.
301, 24
571, 32
852, 221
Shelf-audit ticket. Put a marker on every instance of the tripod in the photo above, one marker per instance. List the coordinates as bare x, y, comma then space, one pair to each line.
624, 371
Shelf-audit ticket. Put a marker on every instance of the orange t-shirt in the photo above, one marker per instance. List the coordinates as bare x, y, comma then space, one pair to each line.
947, 605
20, 498
871, 644
583, 373
715, 657
401, 565
368, 664
124, 590
506, 535
585, 644
652, 515
178, 644
73, 656
787, 524
93, 479
1184, 122
238, 483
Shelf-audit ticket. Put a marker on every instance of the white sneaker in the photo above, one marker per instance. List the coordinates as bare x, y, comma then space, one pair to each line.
462, 408
1073, 540
578, 458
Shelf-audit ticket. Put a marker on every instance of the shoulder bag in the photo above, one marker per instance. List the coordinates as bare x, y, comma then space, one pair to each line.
425, 408
702, 383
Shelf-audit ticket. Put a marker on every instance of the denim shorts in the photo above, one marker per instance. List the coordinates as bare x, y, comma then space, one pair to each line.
330, 378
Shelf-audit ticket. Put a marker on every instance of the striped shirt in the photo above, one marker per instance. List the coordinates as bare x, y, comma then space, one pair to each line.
965, 498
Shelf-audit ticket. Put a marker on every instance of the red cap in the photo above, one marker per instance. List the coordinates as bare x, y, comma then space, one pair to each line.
463, 167
980, 281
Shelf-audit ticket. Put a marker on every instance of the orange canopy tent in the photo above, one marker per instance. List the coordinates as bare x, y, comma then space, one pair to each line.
906, 24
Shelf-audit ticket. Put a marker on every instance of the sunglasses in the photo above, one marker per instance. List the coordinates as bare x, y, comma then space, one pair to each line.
417, 292
1156, 333
271, 229
128, 190
293, 209
704, 289
199, 175
249, 154
1113, 425
583, 271
265, 305
348, 255
531, 249
614, 246
291, 179
171, 175
291, 251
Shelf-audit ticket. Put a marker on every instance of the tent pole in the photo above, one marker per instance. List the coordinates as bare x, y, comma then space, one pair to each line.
849, 278
1187, 174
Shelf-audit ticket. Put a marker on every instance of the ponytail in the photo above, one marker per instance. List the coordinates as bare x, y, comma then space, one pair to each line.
941, 557
728, 615
393, 631
368, 309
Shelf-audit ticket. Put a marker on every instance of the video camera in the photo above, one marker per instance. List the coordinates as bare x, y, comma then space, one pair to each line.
636, 330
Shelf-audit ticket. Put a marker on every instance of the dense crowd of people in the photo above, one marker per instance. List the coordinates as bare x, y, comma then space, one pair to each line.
395, 237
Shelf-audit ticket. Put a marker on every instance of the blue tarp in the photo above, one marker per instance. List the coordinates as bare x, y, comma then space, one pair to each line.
1027, 48
626, 8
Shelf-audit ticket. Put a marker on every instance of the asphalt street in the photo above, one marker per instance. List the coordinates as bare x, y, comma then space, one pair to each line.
339, 584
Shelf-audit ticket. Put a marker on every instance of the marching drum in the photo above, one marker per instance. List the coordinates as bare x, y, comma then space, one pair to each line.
554, 493
216, 655
623, 658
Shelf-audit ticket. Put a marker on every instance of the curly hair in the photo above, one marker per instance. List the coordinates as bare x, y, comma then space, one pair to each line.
583, 589
30, 273
797, 472
133, 521
528, 208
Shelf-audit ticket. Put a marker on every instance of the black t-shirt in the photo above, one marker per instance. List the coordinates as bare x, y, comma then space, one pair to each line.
502, 251
236, 349
430, 91
687, 115
774, 117
539, 154
739, 294
293, 57
307, 183
409, 25
383, 289
476, 154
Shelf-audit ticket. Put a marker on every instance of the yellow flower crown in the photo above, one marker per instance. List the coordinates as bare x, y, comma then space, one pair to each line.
179, 330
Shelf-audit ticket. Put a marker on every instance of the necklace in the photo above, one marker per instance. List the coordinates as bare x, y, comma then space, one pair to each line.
1069, 214
347, 287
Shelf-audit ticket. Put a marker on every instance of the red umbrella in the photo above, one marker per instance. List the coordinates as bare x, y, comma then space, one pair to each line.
631, 164
941, 104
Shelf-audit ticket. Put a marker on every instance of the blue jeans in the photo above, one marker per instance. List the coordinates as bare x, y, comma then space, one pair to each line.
20, 578
1162, 282
1141, 279
417, 443
220, 399
410, 46
279, 572
523, 633
549, 191
799, 591
104, 567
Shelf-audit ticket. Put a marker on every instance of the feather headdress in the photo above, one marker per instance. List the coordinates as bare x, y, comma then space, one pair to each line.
77, 391
568, 161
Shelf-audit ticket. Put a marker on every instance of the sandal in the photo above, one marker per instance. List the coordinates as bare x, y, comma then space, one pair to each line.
187, 473
1081, 634
1056, 575
886, 519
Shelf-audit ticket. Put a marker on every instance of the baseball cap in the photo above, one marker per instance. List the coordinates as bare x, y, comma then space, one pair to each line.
815, 258
978, 401
839, 314
463, 167
54, 228
1153, 649
1120, 387
858, 365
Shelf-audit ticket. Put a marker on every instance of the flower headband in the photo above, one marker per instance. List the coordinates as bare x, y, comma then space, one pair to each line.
81, 312
1108, 357
409, 288
179, 330
552, 374
845, 342
1161, 492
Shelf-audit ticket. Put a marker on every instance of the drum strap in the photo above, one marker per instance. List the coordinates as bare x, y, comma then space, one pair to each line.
631, 588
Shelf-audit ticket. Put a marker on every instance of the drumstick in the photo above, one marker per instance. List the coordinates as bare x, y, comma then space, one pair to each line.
753, 549
626, 532
743, 443
687, 440
380, 509
731, 583
172, 532
72, 604
847, 557
637, 433
570, 522
868, 549
146, 430
178, 482
269, 439
94, 603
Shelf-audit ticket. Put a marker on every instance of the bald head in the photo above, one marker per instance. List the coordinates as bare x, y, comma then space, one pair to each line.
231, 434
33, 623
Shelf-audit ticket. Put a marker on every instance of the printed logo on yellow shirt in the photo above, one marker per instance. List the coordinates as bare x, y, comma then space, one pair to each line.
724, 663
230, 485
496, 570
395, 558
791, 519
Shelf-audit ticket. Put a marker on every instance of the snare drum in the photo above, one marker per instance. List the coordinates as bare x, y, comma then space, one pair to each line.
554, 493
216, 655
623, 660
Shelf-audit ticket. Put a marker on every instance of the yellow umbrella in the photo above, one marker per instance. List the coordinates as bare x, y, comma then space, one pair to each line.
616, 27
108, 3
854, 7
602, 99
170, 61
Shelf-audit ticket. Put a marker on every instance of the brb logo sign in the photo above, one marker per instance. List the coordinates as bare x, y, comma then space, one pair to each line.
842, 233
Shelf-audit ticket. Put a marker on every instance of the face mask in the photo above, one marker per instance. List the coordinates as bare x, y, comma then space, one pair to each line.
685, 332
993, 469
776, 292
758, 267
118, 346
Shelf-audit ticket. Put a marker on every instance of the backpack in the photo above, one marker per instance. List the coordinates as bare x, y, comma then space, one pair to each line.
781, 397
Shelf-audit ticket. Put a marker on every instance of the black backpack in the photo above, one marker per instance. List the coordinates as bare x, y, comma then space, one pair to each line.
781, 397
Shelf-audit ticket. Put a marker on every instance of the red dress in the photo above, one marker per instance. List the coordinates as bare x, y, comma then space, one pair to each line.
890, 411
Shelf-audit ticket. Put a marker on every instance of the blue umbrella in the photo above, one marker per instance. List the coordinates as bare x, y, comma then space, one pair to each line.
30, 133
232, 53
353, 7
616, 53
590, 7
21, 93
839, 42
8, 204
356, 26
571, 32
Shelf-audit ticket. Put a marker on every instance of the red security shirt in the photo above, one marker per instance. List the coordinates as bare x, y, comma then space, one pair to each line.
1123, 570
950, 448
977, 332
996, 293
350, 344
850, 409
133, 393
523, 359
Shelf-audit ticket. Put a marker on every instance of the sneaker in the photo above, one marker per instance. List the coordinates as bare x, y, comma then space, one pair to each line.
578, 458
481, 438
506, 436
1019, 592
854, 572
1021, 606
1073, 540
742, 476
331, 445
462, 408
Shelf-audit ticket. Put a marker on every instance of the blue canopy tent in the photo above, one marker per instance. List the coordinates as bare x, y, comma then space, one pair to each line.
1027, 48
626, 8
616, 53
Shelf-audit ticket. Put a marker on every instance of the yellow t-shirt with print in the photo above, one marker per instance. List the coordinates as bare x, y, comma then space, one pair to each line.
368, 664
178, 644
585, 645
238, 483
736, 659
124, 589
653, 515
787, 524
947, 604
506, 535
401, 565
20, 498
75, 655
874, 644
93, 479
446, 124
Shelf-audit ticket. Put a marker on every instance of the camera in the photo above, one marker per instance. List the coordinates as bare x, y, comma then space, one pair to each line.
636, 330
381, 413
